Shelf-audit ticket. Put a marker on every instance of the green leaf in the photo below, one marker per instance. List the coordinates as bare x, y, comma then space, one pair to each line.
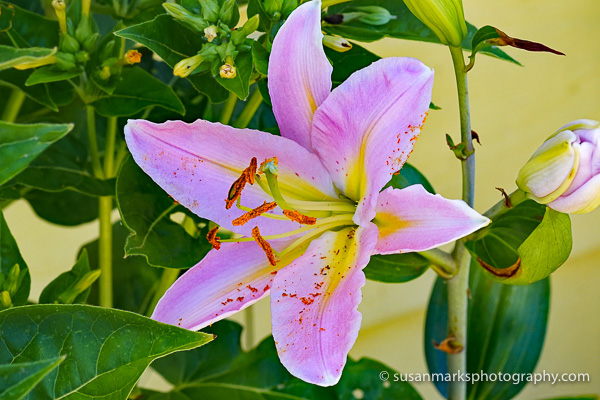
19, 379
62, 287
173, 42
9, 257
405, 26
136, 91
344, 64
16, 79
488, 36
50, 74
506, 331
524, 245
260, 56
67, 208
399, 268
133, 280
11, 56
106, 350
28, 29
223, 370
21, 144
241, 83
146, 209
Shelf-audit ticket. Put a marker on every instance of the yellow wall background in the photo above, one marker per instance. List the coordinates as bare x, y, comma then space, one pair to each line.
513, 109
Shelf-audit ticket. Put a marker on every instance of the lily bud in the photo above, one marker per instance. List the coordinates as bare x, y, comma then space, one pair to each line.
186, 66
191, 20
60, 10
564, 172
210, 33
444, 17
228, 70
336, 43
374, 15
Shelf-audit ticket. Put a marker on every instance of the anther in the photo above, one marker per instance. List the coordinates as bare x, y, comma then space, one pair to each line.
264, 245
236, 188
250, 172
213, 238
300, 218
254, 213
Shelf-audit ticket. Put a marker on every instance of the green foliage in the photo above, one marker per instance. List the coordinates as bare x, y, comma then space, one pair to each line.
11, 56
223, 370
146, 209
72, 286
20, 378
15, 280
506, 331
524, 245
106, 350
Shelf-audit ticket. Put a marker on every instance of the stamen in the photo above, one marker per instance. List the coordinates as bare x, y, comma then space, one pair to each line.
254, 213
251, 171
236, 188
300, 218
264, 245
271, 216
213, 238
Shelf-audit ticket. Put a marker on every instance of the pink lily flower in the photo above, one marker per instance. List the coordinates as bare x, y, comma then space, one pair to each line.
313, 213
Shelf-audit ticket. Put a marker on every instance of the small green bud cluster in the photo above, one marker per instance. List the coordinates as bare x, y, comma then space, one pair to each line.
9, 284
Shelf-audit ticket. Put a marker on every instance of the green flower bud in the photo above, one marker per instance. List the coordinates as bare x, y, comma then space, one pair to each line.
288, 6
337, 43
273, 6
5, 300
68, 44
12, 280
60, 10
84, 29
82, 57
191, 20
444, 17
83, 284
186, 66
65, 61
90, 43
210, 33
227, 10
374, 15
210, 10
239, 35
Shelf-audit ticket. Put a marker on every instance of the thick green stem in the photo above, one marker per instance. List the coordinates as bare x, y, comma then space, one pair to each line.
442, 262
105, 252
249, 110
228, 109
501, 207
249, 327
168, 277
13, 106
458, 286
93, 142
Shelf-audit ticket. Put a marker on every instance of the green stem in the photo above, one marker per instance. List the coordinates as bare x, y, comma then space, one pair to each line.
442, 262
93, 142
109, 153
329, 3
249, 327
249, 110
500, 208
459, 285
168, 277
13, 106
105, 252
228, 109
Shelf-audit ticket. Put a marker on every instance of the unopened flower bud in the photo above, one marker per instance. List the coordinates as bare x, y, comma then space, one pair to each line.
564, 172
65, 61
12, 280
39, 62
337, 43
228, 70
83, 284
104, 73
5, 300
186, 66
444, 17
210, 10
210, 33
227, 10
85, 7
273, 6
133, 57
68, 44
239, 35
374, 15
60, 9
189, 19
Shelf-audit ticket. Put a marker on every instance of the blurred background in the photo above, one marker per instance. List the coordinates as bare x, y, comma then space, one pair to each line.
513, 110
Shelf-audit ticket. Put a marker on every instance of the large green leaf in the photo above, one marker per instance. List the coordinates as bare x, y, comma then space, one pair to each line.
399, 268
67, 208
524, 245
12, 56
222, 370
21, 144
63, 288
506, 331
9, 257
106, 350
344, 64
173, 42
405, 26
146, 209
51, 74
16, 79
20, 378
136, 91
27, 29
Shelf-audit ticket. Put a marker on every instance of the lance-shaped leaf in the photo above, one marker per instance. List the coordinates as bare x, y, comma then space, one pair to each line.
223, 370
72, 286
506, 331
28, 29
12, 56
20, 378
106, 350
21, 144
146, 209
524, 245
173, 42
136, 91
50, 74
404, 26
9, 257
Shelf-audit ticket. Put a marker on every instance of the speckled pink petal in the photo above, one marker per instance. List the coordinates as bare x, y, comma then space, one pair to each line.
197, 163
413, 219
366, 128
314, 304
299, 72
223, 283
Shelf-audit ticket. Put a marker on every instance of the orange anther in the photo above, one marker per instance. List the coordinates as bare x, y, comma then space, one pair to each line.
264, 245
213, 239
300, 218
254, 213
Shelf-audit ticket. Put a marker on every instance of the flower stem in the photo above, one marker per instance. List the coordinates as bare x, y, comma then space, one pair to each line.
500, 208
93, 142
168, 277
228, 108
458, 286
444, 264
105, 252
249, 110
13, 106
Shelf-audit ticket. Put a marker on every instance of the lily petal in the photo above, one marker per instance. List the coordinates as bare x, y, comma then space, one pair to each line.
299, 72
314, 304
197, 163
224, 282
582, 200
366, 128
413, 219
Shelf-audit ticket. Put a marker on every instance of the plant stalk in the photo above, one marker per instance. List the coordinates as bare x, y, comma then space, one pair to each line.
13, 106
228, 108
446, 266
459, 285
500, 208
249, 110
105, 252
